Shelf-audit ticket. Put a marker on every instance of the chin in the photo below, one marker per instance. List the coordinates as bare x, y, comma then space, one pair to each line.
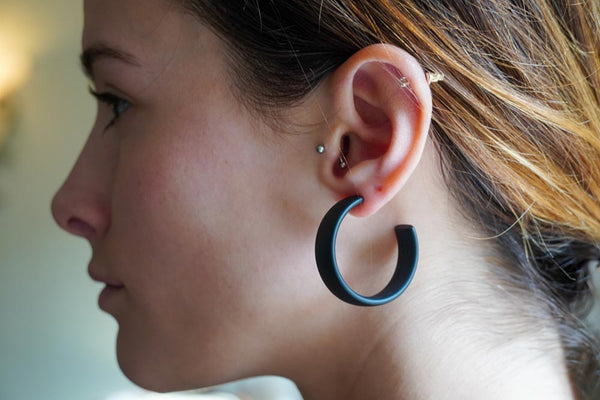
161, 380
155, 378
162, 373
144, 374
144, 367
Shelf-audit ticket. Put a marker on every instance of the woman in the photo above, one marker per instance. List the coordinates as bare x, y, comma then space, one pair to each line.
226, 130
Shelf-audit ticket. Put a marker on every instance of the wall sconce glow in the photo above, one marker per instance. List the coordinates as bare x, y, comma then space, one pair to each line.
15, 66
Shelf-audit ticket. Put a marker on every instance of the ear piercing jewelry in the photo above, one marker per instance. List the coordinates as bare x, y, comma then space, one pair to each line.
341, 161
408, 254
433, 77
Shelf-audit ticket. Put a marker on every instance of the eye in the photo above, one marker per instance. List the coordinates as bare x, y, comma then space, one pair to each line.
117, 104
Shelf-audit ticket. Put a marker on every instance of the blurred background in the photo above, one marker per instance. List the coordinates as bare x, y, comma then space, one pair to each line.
54, 342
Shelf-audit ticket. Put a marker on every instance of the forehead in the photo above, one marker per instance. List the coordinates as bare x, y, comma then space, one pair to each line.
137, 25
164, 40
129, 16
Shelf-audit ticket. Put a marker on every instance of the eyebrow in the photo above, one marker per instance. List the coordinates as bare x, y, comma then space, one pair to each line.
99, 51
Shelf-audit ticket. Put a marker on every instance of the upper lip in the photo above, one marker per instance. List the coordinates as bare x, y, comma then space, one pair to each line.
103, 278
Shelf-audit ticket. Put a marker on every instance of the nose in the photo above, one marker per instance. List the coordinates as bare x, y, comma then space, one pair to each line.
81, 205
80, 213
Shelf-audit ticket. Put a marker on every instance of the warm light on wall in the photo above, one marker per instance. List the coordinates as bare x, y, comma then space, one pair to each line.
15, 66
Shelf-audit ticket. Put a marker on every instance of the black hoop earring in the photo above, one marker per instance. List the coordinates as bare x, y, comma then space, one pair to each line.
408, 254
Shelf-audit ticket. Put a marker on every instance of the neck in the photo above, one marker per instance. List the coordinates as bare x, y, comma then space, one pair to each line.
441, 339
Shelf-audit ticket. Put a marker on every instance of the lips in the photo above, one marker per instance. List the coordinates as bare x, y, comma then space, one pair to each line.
112, 294
103, 278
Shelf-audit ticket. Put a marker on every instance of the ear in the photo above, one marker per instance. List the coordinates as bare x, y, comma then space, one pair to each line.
381, 105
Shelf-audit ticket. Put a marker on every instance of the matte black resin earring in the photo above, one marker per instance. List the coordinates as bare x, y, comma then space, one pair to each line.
408, 254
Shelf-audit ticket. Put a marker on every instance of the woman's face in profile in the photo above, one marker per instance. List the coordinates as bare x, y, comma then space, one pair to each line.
185, 198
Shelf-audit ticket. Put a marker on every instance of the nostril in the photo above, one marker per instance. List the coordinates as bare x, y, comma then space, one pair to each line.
80, 228
81, 210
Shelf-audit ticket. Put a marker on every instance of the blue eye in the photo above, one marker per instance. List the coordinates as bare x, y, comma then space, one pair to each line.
117, 104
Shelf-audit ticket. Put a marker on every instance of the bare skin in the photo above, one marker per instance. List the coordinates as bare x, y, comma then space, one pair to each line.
202, 218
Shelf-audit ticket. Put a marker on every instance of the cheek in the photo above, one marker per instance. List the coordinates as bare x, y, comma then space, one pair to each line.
160, 228
184, 228
172, 251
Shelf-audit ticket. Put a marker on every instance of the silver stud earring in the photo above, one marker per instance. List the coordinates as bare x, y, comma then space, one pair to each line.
341, 162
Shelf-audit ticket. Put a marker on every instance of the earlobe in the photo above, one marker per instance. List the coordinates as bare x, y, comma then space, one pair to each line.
381, 102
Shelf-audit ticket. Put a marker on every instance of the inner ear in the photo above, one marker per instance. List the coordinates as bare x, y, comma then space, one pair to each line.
369, 114
373, 137
368, 95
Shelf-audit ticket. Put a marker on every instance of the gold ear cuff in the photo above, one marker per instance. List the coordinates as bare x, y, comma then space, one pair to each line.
433, 77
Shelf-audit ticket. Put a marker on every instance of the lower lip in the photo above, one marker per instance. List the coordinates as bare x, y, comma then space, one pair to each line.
108, 296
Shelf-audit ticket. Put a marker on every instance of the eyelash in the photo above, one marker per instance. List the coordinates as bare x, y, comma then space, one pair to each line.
118, 105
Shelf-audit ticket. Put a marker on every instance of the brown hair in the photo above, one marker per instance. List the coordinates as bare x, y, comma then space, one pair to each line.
517, 120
